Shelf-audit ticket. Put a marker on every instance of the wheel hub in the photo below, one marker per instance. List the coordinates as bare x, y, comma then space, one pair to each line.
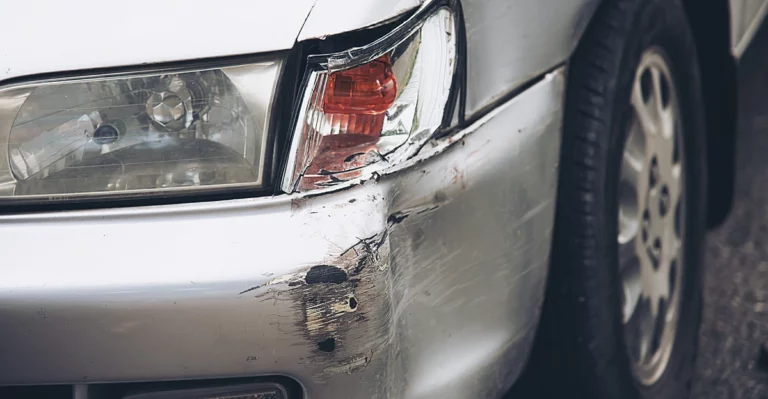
650, 215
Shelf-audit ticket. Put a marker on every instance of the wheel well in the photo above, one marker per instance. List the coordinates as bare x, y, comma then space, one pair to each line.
710, 21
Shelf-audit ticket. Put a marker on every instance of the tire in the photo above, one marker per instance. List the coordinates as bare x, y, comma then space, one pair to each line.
581, 348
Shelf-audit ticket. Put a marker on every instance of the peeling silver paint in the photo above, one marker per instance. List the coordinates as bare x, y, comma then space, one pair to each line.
349, 365
334, 298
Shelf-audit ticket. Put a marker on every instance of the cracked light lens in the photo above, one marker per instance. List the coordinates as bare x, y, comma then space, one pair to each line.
372, 110
187, 130
350, 119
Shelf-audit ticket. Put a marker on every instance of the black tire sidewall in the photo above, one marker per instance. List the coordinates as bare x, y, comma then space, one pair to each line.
581, 335
662, 24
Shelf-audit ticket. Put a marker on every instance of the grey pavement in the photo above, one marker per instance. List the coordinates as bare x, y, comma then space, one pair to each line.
736, 289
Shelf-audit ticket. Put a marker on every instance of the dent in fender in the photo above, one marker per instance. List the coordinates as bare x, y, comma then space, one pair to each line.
357, 308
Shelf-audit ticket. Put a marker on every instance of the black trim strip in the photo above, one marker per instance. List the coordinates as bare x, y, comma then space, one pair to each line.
506, 97
160, 67
459, 84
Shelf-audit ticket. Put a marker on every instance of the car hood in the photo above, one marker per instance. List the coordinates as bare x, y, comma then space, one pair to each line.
41, 36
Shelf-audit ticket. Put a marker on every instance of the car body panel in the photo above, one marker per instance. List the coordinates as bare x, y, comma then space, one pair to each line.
446, 257
51, 36
446, 260
330, 17
510, 42
746, 18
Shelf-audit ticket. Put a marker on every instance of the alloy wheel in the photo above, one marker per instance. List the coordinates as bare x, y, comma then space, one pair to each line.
651, 218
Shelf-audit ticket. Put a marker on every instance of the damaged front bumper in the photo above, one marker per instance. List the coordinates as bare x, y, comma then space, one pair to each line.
424, 282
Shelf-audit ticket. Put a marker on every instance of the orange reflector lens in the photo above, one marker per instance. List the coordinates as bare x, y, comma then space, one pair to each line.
368, 89
352, 115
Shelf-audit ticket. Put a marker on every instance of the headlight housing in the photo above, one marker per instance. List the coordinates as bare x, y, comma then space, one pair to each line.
372, 107
208, 129
140, 133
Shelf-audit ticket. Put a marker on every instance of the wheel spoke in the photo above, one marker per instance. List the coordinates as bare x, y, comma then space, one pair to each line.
667, 125
651, 284
674, 278
632, 285
675, 184
657, 103
642, 113
633, 161
646, 324
639, 330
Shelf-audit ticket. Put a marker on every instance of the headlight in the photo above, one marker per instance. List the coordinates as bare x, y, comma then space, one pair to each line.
140, 133
369, 108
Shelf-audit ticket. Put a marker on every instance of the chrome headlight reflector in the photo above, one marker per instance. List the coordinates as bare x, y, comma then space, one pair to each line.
153, 132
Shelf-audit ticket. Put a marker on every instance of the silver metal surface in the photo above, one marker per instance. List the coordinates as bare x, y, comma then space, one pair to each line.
198, 29
510, 42
330, 17
746, 18
651, 218
167, 108
426, 282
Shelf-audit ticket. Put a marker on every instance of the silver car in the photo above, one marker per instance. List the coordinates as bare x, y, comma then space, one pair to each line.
361, 199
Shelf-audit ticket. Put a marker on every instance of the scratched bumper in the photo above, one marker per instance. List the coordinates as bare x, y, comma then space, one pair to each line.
424, 283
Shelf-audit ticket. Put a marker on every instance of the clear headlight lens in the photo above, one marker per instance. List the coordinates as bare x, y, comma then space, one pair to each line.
371, 107
191, 129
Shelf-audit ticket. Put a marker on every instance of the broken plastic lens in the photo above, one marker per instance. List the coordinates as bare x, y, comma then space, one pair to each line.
194, 129
372, 109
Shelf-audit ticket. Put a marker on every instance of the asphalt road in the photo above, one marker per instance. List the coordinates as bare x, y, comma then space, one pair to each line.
736, 292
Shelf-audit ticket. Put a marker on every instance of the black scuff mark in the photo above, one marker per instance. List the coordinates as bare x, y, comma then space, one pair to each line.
362, 262
397, 217
327, 345
428, 209
355, 307
367, 252
326, 274
369, 244
332, 181
254, 288
353, 156
341, 308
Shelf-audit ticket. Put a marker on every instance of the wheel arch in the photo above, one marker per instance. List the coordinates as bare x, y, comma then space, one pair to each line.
710, 22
